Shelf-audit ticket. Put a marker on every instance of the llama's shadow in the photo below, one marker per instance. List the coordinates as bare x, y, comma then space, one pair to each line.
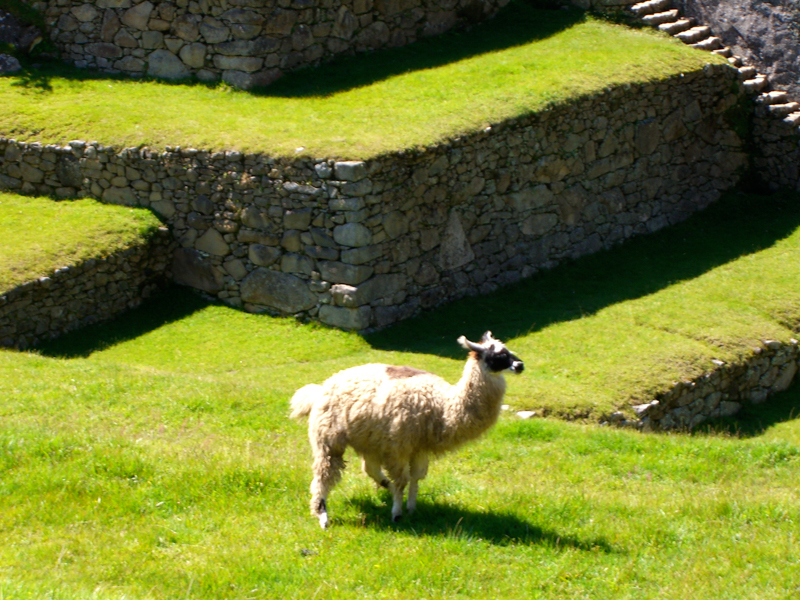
437, 519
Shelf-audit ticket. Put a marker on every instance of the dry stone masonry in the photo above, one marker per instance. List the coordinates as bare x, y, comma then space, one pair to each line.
246, 43
361, 245
79, 295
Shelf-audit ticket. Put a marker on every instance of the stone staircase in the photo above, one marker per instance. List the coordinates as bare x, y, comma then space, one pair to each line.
774, 103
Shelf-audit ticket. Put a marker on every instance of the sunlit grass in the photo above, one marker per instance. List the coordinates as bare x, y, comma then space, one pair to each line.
38, 235
547, 56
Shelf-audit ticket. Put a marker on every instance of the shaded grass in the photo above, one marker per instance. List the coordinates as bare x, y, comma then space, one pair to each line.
38, 235
520, 62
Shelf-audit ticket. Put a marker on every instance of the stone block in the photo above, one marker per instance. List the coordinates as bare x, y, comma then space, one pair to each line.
190, 268
338, 272
345, 318
282, 291
352, 235
350, 170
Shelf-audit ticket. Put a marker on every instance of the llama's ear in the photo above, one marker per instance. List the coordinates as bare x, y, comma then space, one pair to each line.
467, 345
487, 337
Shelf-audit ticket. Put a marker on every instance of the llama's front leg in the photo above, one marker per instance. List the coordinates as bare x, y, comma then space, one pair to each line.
418, 470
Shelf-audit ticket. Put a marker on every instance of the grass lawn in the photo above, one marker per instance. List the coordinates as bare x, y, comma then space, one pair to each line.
519, 62
152, 457
38, 235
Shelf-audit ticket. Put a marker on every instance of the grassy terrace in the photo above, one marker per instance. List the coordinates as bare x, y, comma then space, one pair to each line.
38, 235
152, 457
519, 62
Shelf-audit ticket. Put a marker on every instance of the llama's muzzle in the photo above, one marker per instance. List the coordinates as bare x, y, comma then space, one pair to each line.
517, 366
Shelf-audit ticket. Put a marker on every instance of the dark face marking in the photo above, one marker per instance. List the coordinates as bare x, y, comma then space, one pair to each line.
500, 361
321, 507
403, 372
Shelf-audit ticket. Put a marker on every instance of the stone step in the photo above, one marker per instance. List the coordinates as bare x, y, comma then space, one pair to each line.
694, 34
708, 44
736, 61
726, 52
754, 85
793, 119
783, 110
651, 6
747, 72
676, 26
774, 97
663, 17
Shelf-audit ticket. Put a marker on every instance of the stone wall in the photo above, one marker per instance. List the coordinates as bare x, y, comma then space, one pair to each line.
365, 244
246, 43
776, 155
721, 393
79, 295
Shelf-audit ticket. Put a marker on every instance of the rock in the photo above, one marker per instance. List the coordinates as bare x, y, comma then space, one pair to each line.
190, 268
297, 219
235, 269
187, 27
786, 377
455, 250
526, 414
194, 55
286, 293
337, 272
138, 16
164, 64
345, 318
350, 170
263, 256
122, 196
212, 242
352, 235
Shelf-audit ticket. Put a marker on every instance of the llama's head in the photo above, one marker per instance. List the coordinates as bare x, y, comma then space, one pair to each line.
493, 353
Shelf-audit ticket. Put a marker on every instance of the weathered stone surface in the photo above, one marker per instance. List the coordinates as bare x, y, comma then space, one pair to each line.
84, 12
123, 196
194, 55
299, 219
352, 235
454, 250
190, 268
337, 272
263, 256
213, 243
213, 31
286, 293
187, 27
138, 16
164, 64
345, 318
350, 170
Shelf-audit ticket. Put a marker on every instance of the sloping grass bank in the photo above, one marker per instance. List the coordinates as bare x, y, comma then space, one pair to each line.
152, 457
409, 97
38, 235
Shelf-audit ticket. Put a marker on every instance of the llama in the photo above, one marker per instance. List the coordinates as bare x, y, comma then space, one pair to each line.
398, 417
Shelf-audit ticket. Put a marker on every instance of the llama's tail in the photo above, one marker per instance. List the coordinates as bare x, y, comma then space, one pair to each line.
304, 399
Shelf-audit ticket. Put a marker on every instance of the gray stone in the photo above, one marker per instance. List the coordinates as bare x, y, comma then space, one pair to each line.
531, 198
786, 377
350, 170
257, 47
187, 27
68, 171
246, 64
359, 256
345, 25
203, 205
152, 40
122, 196
255, 219
213, 243
291, 240
85, 13
164, 64
242, 16
647, 137
395, 224
454, 250
345, 318
358, 188
344, 295
164, 208
31, 173
263, 256
194, 55
235, 269
728, 409
296, 263
299, 219
338, 272
286, 293
213, 31
538, 225
190, 268
104, 50
353, 235
138, 16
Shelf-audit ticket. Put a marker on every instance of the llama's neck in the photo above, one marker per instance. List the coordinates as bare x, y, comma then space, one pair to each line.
474, 404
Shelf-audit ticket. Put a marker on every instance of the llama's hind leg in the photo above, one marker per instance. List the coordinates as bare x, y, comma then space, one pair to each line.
327, 473
418, 468
398, 472
372, 467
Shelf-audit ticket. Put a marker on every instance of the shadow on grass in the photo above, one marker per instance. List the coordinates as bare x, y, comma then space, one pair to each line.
456, 522
755, 419
518, 23
734, 226
173, 304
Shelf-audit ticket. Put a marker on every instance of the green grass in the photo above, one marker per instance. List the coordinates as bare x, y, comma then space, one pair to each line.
38, 235
519, 62
152, 458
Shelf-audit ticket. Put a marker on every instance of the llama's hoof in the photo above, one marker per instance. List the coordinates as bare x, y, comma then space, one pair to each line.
396, 518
